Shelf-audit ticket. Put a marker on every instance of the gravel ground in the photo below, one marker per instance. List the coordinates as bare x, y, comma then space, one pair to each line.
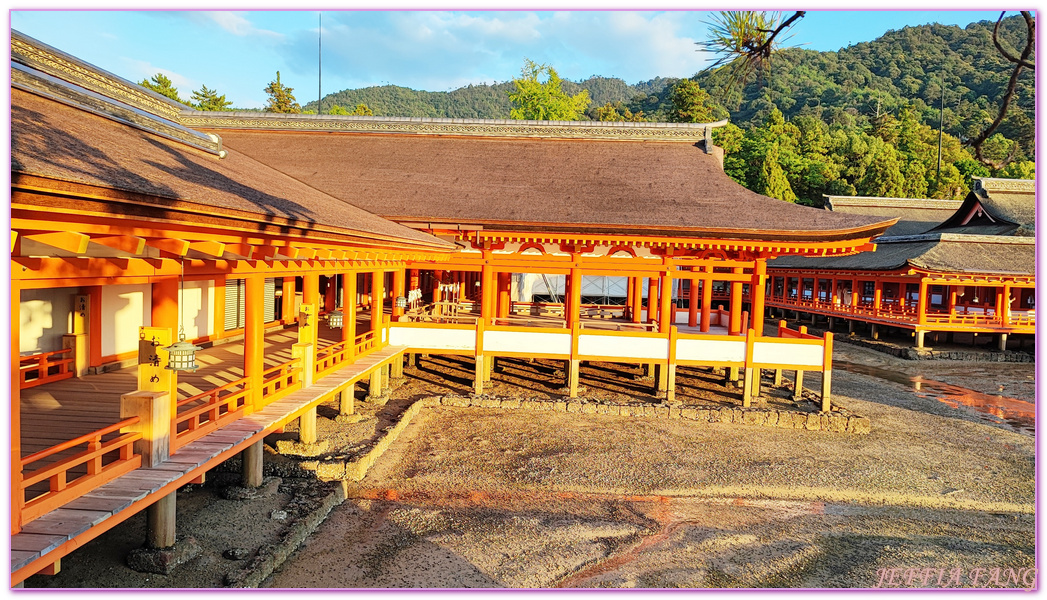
489, 498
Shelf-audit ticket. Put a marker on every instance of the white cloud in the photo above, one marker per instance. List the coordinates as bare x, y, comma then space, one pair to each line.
140, 69
439, 50
236, 24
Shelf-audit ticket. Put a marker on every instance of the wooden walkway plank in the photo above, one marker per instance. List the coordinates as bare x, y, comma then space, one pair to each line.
117, 496
35, 542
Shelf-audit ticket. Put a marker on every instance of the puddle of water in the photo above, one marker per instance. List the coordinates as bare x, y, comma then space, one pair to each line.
1018, 414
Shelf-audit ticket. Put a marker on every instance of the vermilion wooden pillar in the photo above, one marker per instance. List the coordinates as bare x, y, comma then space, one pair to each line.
665, 312
254, 337
652, 300
330, 297
287, 301
707, 300
877, 295
504, 283
164, 311
349, 309
311, 295
575, 289
637, 305
398, 291
736, 304
692, 304
487, 293
759, 293
377, 304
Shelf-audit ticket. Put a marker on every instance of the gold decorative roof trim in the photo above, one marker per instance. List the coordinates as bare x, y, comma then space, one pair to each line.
40, 56
35, 82
692, 132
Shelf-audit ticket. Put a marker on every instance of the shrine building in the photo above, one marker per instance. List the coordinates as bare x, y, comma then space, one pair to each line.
184, 283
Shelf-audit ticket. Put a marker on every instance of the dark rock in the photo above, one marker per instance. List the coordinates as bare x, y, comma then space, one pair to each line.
163, 561
236, 553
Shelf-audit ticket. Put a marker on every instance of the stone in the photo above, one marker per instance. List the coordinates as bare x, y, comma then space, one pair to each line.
589, 408
511, 404
772, 418
236, 553
278, 515
861, 425
823, 421
754, 417
162, 561
837, 423
689, 413
330, 471
560, 406
574, 407
349, 419
296, 448
662, 412
814, 422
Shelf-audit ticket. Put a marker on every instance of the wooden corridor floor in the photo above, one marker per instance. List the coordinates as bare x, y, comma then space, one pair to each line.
55, 534
56, 412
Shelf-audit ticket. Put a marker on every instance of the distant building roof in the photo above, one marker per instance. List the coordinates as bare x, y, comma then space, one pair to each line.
996, 207
54, 138
915, 215
555, 176
990, 231
940, 252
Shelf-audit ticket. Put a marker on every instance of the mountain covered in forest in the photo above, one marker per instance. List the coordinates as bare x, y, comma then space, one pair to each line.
902, 68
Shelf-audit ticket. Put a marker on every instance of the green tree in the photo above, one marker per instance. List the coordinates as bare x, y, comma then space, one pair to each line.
281, 98
544, 100
883, 177
160, 84
617, 112
691, 104
361, 111
771, 180
208, 99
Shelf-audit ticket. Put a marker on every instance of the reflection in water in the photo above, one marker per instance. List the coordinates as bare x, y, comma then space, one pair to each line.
1019, 414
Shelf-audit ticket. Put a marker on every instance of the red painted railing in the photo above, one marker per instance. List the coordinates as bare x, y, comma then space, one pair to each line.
203, 413
365, 342
45, 368
101, 460
281, 380
331, 357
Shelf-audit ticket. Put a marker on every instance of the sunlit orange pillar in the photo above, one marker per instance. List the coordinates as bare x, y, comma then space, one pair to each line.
349, 310
854, 293
692, 304
311, 295
575, 289
254, 337
330, 293
377, 304
437, 278
652, 299
287, 301
487, 293
877, 295
164, 310
665, 311
399, 277
637, 305
504, 284
758, 289
707, 300
736, 304
17, 497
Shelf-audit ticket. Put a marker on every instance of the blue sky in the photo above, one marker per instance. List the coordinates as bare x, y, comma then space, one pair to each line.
239, 52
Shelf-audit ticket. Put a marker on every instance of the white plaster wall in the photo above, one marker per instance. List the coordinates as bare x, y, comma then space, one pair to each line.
44, 317
624, 347
435, 339
125, 308
800, 355
196, 301
526, 341
710, 350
